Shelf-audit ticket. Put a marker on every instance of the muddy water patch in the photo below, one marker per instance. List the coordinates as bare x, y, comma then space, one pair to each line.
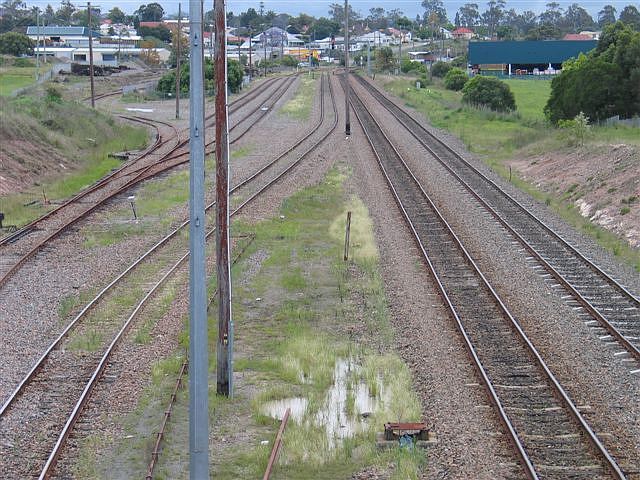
345, 409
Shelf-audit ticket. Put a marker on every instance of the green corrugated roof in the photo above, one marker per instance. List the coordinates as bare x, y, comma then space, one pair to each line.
54, 31
527, 52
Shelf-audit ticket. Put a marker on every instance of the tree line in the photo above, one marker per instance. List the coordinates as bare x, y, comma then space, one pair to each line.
496, 19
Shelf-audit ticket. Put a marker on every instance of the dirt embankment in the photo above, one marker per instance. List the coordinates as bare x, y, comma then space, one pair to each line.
603, 182
26, 157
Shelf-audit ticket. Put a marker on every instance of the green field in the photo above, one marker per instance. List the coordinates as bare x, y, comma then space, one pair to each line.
10, 82
13, 78
531, 96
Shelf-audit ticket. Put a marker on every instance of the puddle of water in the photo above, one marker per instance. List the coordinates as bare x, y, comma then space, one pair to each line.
277, 408
334, 415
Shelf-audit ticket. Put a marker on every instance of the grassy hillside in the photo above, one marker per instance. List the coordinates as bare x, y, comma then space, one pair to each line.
54, 146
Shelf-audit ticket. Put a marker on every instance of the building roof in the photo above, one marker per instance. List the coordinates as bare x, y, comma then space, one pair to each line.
462, 30
527, 52
577, 36
53, 31
151, 24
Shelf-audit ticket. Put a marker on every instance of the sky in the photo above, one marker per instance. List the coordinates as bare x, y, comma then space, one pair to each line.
319, 8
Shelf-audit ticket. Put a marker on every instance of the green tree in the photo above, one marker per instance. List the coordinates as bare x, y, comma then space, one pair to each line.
435, 8
152, 12
384, 59
440, 69
489, 92
167, 84
116, 15
607, 15
161, 32
14, 43
455, 79
631, 16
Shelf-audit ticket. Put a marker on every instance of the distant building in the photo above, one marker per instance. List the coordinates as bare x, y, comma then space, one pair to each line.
525, 57
61, 36
462, 32
577, 37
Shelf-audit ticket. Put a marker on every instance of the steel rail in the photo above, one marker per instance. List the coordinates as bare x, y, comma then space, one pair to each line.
579, 297
25, 381
142, 175
239, 103
92, 188
527, 464
77, 410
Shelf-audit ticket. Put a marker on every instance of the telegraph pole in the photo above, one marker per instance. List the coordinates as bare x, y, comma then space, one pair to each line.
369, 58
178, 41
347, 126
38, 44
250, 48
224, 348
93, 92
198, 342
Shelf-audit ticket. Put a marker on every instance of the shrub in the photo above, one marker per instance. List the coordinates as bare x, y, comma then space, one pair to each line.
455, 79
14, 43
289, 61
489, 92
23, 62
53, 95
407, 65
440, 69
424, 81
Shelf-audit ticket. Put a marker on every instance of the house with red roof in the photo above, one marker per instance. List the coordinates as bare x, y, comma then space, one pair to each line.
462, 32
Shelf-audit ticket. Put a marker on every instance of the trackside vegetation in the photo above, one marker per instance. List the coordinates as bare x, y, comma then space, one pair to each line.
603, 83
167, 83
71, 141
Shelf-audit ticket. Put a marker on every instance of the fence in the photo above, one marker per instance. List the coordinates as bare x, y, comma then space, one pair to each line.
616, 120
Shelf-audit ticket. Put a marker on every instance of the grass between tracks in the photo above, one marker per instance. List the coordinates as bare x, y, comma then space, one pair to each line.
300, 312
499, 138
299, 107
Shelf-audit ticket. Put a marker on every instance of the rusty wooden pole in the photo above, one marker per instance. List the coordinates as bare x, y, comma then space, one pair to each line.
347, 234
225, 323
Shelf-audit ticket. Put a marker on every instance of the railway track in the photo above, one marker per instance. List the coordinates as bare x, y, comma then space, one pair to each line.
34, 236
39, 416
608, 307
549, 434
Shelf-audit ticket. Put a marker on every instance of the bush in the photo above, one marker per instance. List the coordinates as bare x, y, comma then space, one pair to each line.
489, 92
14, 43
289, 61
23, 62
455, 79
440, 69
424, 81
167, 84
407, 65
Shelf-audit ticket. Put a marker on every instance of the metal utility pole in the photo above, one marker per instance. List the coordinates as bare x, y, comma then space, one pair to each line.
250, 52
211, 42
38, 44
369, 58
400, 55
347, 126
224, 348
178, 54
198, 342
93, 92
264, 36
